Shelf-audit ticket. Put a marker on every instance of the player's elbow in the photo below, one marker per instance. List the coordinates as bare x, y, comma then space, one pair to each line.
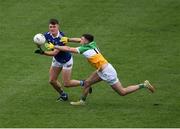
55, 52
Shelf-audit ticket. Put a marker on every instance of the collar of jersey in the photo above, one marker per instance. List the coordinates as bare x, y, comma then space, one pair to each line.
89, 43
58, 35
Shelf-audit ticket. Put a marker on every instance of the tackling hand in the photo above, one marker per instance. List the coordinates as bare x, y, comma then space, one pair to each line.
64, 40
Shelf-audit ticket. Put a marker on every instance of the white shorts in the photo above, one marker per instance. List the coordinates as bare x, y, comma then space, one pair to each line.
67, 65
109, 75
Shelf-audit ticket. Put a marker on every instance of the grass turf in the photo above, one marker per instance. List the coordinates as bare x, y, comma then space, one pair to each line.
140, 38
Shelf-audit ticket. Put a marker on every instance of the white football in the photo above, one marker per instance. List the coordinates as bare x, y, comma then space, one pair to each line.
39, 39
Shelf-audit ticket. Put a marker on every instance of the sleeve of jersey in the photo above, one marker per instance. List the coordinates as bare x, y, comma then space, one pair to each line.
62, 33
80, 49
45, 35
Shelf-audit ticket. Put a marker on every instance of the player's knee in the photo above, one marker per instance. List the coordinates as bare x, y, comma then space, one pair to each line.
122, 93
67, 84
52, 81
86, 83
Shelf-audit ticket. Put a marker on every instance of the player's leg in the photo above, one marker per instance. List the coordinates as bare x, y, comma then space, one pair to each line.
54, 72
124, 91
66, 75
92, 79
53, 78
110, 76
130, 89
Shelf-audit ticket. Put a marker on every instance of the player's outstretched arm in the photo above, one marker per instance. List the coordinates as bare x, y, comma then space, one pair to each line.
66, 48
77, 40
47, 53
50, 46
65, 40
51, 53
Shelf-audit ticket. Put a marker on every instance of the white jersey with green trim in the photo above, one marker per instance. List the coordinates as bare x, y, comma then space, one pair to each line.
93, 55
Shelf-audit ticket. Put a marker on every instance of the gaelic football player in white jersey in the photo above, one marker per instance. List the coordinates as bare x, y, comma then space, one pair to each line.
104, 70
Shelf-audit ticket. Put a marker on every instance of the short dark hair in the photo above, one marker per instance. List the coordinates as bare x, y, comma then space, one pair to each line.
53, 21
89, 37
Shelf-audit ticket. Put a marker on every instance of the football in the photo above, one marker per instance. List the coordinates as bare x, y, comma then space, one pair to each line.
39, 39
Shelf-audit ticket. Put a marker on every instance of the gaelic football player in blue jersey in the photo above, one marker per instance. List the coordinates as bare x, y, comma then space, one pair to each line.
62, 62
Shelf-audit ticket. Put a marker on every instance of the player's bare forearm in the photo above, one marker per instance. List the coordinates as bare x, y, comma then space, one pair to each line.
51, 53
67, 48
77, 40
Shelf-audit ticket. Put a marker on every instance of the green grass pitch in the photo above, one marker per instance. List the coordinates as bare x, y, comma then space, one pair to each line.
141, 38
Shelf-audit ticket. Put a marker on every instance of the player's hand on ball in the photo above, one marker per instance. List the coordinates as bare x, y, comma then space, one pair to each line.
49, 46
64, 40
39, 51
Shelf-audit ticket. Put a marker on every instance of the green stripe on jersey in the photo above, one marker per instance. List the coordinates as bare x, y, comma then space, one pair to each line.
86, 47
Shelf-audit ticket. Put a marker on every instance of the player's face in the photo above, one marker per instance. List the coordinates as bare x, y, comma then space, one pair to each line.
84, 40
53, 29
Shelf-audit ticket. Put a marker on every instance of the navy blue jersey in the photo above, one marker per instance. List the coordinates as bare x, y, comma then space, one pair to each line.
61, 57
